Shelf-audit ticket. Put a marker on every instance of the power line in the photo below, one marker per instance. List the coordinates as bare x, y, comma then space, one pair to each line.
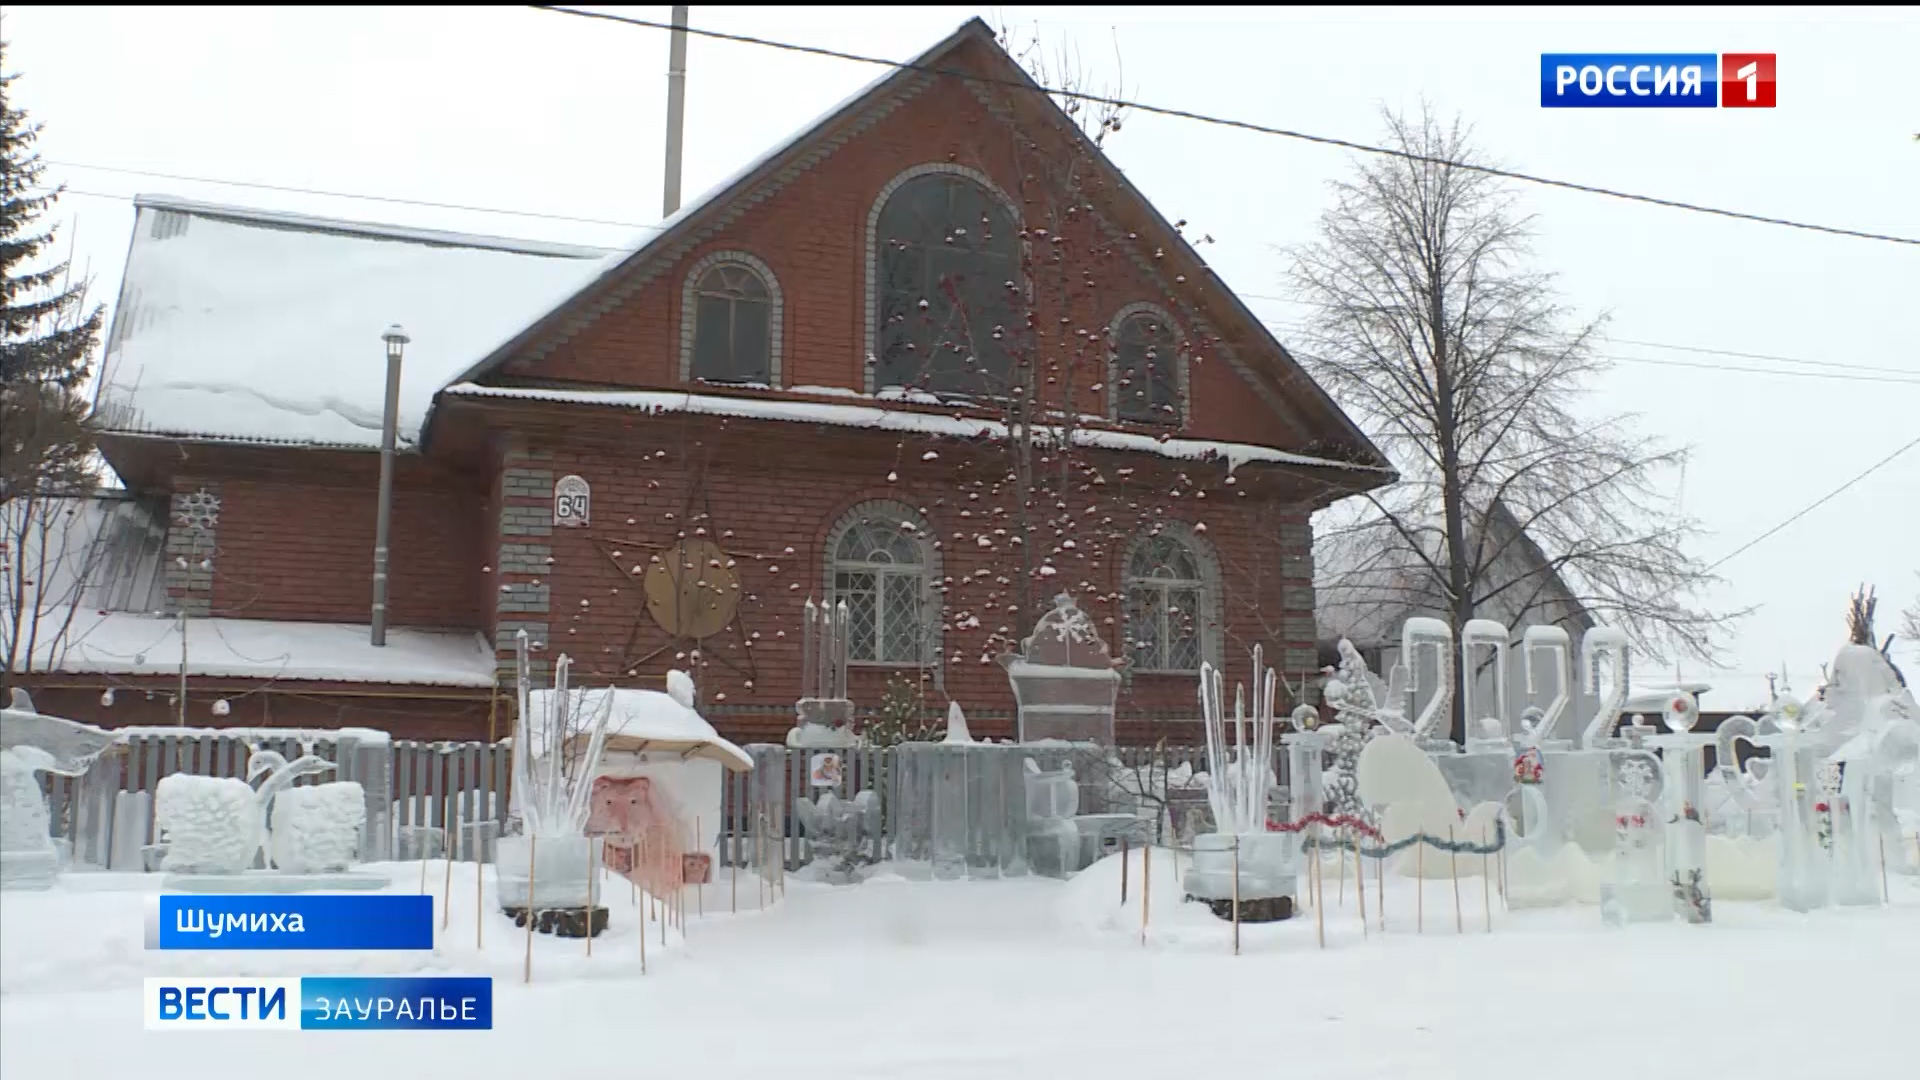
1244, 125
1661, 345
1915, 381
335, 195
1828, 497
1287, 327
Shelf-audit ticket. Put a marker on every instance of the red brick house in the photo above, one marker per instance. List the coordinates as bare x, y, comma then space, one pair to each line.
933, 357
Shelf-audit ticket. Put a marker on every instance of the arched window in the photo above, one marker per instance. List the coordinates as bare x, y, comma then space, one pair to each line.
731, 329
947, 293
1146, 376
1171, 603
880, 565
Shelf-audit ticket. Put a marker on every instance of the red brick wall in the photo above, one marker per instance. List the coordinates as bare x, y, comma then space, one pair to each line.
295, 540
813, 234
595, 613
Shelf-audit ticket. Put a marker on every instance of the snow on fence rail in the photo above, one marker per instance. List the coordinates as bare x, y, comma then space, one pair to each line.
107, 814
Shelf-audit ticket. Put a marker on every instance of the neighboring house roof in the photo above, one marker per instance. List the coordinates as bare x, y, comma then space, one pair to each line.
1287, 388
100, 551
1365, 590
250, 326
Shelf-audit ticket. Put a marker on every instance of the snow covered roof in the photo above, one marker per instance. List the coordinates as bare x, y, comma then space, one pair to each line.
252, 326
647, 721
126, 643
898, 420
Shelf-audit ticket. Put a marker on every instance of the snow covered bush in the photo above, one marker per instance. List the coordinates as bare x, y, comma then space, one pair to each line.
210, 824
317, 829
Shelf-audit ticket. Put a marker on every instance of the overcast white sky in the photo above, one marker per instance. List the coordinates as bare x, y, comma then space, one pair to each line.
527, 110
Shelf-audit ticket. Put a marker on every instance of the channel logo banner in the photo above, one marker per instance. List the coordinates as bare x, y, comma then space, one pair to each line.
1629, 80
251, 1003
376, 921
396, 1004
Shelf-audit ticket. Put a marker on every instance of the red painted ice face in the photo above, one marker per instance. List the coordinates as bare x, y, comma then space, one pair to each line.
623, 807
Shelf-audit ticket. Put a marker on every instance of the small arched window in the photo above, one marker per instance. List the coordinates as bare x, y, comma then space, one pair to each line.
1171, 590
881, 567
1146, 367
731, 324
946, 282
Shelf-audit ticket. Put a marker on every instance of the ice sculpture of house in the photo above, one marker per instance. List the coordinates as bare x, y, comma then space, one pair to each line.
667, 753
1064, 681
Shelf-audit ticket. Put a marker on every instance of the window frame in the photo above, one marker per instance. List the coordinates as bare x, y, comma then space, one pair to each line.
874, 266
689, 312
883, 512
1144, 309
1208, 631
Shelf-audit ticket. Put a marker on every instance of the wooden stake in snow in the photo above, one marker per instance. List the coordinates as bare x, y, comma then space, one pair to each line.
1126, 856
1380, 889
1420, 883
446, 819
1360, 885
1236, 896
1319, 892
733, 867
1343, 877
531, 841
592, 853
479, 898
1453, 865
700, 908
1486, 881
423, 864
1886, 897
1146, 891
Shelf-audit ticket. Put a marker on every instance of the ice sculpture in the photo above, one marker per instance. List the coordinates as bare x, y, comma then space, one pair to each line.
1435, 636
1608, 645
1537, 725
1242, 860
209, 824
30, 744
556, 756
1683, 760
1359, 698
1486, 732
1638, 891
956, 725
1053, 800
1408, 792
841, 831
1064, 681
317, 829
824, 714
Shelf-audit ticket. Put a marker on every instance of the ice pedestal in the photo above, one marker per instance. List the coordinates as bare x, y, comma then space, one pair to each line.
1639, 891
1269, 869
559, 867
960, 807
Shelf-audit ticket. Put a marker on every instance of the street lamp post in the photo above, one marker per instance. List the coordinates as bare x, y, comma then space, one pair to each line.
396, 340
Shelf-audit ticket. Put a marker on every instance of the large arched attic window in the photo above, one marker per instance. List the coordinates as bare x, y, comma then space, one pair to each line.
946, 285
1172, 591
881, 565
1147, 375
731, 328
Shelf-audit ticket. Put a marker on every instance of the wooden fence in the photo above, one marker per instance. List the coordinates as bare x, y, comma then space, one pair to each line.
107, 815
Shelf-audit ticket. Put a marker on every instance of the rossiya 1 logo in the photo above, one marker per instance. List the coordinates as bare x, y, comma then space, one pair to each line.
1657, 80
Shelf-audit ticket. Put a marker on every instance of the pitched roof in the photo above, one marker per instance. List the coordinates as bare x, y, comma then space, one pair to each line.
680, 233
251, 326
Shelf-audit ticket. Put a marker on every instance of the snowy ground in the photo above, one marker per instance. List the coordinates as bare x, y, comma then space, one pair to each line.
1019, 978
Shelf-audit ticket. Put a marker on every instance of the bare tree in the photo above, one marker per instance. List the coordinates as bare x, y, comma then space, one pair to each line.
1910, 620
1430, 325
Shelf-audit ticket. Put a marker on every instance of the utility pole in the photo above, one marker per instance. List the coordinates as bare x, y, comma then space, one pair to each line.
676, 108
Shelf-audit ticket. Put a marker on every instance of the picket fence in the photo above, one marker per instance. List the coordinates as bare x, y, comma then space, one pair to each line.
458, 791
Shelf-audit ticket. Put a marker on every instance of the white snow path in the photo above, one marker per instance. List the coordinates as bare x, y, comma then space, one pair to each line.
1035, 978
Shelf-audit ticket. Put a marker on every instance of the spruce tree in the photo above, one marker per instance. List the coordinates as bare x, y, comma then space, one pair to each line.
49, 333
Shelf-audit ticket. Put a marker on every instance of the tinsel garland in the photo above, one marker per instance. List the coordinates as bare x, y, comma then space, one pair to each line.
1457, 847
